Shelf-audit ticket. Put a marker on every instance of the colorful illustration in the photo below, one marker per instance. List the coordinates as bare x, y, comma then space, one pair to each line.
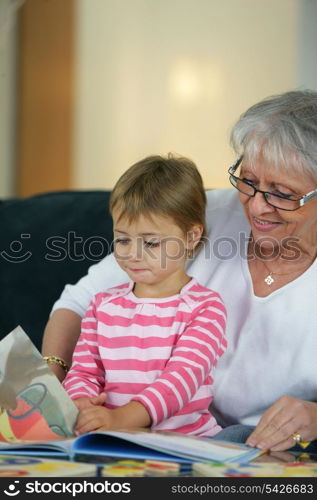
33, 404
34, 415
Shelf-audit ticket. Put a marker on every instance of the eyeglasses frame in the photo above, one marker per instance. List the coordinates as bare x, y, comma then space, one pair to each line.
302, 200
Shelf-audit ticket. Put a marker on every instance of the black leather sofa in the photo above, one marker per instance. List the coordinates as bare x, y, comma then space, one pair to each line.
47, 241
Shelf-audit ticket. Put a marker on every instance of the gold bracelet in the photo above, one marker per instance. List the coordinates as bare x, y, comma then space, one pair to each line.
55, 360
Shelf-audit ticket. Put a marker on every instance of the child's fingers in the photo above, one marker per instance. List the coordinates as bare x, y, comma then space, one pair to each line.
90, 419
99, 400
85, 426
82, 403
88, 426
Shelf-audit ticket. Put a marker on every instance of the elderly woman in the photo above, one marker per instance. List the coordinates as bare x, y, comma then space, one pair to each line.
261, 257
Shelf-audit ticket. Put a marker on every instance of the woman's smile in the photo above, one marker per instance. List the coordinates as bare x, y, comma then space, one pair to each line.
264, 225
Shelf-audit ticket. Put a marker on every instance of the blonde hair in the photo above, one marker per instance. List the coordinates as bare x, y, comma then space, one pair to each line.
166, 186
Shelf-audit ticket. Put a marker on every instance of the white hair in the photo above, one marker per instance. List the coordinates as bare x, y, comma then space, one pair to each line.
282, 128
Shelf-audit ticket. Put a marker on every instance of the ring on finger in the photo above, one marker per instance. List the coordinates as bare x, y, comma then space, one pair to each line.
298, 440
297, 437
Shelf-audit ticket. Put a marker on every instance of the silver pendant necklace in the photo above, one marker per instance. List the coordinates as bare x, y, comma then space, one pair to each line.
269, 280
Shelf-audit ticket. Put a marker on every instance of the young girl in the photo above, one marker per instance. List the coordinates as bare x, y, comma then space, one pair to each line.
148, 347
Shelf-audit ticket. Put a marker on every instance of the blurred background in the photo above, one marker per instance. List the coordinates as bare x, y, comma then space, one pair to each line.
88, 87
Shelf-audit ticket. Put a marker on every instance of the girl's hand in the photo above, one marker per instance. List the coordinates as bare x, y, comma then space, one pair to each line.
95, 418
128, 416
87, 402
284, 419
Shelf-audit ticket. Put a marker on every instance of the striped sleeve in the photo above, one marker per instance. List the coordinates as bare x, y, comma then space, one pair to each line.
86, 375
193, 359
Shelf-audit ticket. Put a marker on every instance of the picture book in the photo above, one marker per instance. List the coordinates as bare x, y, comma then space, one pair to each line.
256, 469
19, 466
37, 418
33, 403
98, 447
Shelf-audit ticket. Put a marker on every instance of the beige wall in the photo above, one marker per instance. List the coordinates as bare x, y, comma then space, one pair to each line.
173, 75
154, 76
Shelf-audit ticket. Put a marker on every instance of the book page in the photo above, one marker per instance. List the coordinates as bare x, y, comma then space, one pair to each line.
33, 404
192, 446
171, 443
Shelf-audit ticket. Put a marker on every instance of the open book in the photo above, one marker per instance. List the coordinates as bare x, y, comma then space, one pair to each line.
163, 444
99, 447
37, 418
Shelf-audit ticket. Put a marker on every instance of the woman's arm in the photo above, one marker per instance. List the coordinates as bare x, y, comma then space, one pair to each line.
63, 328
60, 337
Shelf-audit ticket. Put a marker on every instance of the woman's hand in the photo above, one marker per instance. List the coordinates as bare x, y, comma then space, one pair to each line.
286, 417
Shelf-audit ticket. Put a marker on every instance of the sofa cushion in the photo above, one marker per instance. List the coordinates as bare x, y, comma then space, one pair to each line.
47, 241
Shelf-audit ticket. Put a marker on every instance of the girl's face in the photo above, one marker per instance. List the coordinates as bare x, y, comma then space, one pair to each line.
153, 250
271, 226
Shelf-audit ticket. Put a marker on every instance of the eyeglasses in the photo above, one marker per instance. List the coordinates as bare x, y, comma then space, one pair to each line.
282, 202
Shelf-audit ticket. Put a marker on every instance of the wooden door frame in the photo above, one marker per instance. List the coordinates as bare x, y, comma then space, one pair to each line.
45, 96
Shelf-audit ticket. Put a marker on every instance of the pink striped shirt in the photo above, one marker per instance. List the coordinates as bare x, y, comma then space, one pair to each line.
158, 351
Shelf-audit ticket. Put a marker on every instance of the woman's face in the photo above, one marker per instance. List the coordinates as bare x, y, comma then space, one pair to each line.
270, 226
